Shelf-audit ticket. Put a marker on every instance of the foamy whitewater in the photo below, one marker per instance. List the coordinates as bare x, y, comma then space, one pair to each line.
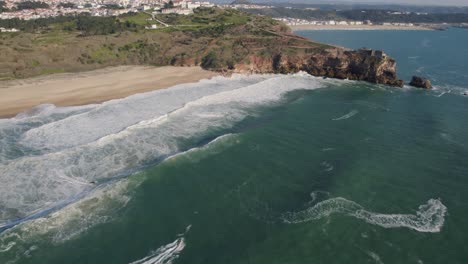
54, 156
430, 217
165, 254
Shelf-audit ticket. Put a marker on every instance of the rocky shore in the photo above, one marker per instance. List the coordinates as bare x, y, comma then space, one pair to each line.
364, 64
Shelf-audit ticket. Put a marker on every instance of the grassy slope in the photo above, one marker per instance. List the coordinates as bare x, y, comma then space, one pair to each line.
232, 36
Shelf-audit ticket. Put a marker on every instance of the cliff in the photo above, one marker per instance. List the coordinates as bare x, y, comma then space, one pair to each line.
224, 40
366, 65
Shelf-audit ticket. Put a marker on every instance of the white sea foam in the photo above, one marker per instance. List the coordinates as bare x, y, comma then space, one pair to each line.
430, 217
327, 149
73, 154
69, 222
348, 115
94, 209
165, 254
327, 167
375, 257
12, 129
115, 115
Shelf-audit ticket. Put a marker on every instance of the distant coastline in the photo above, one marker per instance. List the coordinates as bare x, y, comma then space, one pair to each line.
357, 27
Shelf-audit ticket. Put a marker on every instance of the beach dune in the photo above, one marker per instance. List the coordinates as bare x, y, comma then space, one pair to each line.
69, 89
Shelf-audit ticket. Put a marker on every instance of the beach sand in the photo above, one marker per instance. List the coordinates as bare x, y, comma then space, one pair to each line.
356, 27
67, 89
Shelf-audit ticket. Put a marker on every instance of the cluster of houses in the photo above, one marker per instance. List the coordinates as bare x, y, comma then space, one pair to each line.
248, 6
399, 24
295, 22
2, 30
28, 14
183, 7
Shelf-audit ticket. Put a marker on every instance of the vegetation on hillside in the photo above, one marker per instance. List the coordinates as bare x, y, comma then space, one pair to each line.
3, 6
89, 25
84, 23
31, 5
169, 4
66, 5
216, 39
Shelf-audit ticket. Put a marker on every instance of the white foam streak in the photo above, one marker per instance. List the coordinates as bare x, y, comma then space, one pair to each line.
430, 217
165, 254
120, 136
68, 222
348, 115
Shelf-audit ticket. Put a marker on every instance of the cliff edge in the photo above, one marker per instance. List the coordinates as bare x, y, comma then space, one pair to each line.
364, 64
223, 40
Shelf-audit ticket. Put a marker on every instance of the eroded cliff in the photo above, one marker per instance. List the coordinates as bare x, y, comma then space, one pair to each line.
366, 65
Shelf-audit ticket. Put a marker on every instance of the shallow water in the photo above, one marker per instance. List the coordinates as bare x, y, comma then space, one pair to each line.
259, 169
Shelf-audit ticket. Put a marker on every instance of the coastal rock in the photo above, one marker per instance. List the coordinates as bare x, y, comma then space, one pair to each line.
364, 64
420, 82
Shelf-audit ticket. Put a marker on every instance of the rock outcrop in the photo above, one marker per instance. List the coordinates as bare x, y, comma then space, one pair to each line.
364, 64
420, 82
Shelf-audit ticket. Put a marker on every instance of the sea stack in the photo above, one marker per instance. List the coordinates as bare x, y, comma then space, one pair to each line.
420, 82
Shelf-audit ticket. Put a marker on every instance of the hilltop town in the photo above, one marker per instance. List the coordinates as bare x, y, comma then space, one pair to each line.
52, 8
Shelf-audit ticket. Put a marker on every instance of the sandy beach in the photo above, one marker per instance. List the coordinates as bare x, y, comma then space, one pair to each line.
356, 27
69, 89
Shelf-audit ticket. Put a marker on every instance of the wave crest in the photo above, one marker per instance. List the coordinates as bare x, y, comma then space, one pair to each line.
430, 217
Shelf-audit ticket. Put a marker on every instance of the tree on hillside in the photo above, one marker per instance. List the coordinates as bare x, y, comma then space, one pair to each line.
3, 6
169, 4
67, 5
210, 61
31, 5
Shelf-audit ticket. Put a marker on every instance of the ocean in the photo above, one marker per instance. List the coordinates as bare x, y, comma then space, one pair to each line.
250, 169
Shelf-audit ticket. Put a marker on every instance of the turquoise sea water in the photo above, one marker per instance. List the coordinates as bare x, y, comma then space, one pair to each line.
259, 169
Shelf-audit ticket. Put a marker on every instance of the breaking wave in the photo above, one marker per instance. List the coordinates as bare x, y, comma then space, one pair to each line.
60, 155
429, 217
165, 254
63, 225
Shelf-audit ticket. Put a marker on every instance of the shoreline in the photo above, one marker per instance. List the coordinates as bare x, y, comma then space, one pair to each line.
356, 27
97, 86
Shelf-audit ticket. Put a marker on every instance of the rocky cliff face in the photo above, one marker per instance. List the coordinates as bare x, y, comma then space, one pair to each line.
366, 65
